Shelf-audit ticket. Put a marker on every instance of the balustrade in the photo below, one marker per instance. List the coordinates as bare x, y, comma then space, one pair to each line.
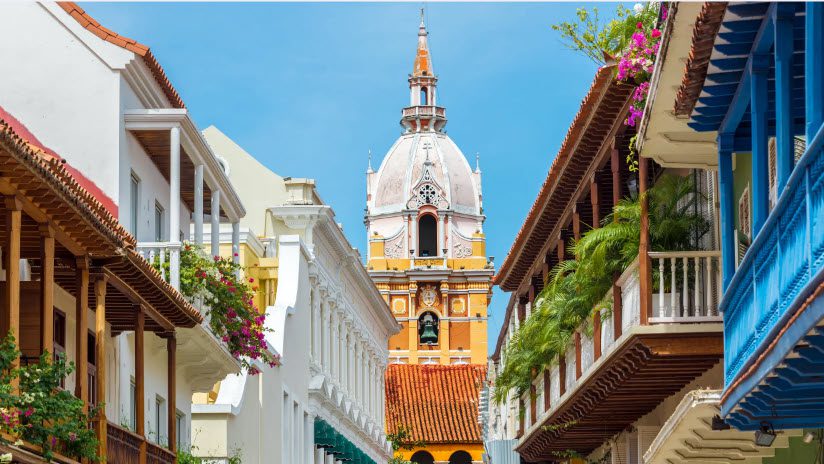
164, 255
685, 291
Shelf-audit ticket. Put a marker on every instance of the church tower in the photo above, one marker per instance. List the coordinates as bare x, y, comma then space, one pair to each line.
424, 220
427, 256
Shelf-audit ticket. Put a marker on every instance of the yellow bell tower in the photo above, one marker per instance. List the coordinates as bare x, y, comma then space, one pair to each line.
424, 220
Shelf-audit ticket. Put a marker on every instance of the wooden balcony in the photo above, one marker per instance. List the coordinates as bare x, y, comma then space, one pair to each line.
124, 447
622, 363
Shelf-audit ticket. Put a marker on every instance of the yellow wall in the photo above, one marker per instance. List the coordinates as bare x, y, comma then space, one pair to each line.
457, 300
443, 452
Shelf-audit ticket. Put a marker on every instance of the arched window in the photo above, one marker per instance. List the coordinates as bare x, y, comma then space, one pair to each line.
422, 457
460, 457
424, 96
427, 236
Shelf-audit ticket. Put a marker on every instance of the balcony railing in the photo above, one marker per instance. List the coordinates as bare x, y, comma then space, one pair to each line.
685, 292
123, 447
424, 111
786, 257
166, 255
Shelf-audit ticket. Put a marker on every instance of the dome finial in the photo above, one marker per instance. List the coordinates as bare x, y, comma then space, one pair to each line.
477, 162
369, 169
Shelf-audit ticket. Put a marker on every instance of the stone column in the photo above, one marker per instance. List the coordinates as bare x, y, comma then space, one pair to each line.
198, 239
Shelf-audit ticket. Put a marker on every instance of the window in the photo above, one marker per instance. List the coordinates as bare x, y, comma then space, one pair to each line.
60, 338
460, 457
422, 457
91, 359
158, 419
424, 100
133, 404
134, 202
159, 213
180, 425
427, 236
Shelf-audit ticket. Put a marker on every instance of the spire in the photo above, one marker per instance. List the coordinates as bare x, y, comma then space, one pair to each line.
477, 162
423, 63
369, 169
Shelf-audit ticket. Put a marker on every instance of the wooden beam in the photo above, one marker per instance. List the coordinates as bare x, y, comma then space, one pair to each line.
595, 202
562, 374
644, 265
576, 224
138, 299
100, 356
547, 389
617, 309
615, 166
139, 380
46, 289
171, 351
11, 263
81, 388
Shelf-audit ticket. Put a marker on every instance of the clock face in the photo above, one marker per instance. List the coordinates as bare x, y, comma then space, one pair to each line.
429, 295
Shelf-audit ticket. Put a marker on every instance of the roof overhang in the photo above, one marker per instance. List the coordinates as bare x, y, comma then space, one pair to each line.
665, 136
688, 438
194, 145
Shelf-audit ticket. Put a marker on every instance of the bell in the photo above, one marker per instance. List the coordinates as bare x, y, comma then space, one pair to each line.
429, 336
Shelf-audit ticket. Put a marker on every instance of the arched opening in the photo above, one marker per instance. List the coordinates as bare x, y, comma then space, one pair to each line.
427, 236
422, 457
428, 328
460, 457
424, 96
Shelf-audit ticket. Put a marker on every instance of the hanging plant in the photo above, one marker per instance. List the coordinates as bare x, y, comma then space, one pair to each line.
229, 303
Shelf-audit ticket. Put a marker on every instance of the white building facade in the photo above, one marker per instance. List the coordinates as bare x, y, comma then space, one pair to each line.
330, 327
103, 102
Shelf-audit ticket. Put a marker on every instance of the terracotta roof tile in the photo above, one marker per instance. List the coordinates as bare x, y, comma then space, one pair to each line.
695, 71
436, 404
517, 261
83, 18
70, 186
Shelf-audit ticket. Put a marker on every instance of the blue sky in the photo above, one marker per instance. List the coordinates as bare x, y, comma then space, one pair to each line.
309, 88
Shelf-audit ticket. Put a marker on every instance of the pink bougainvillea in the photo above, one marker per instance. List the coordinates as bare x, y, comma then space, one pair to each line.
635, 66
229, 302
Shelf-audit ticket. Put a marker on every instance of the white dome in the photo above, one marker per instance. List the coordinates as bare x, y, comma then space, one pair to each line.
415, 164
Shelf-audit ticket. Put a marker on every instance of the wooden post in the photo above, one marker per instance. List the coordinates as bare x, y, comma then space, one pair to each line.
561, 251
596, 335
578, 370
100, 351
171, 351
139, 381
616, 176
617, 309
644, 266
595, 202
576, 224
11, 262
47, 289
562, 373
81, 340
547, 390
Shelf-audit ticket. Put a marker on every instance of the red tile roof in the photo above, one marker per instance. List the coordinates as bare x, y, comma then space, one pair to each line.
436, 404
706, 28
85, 20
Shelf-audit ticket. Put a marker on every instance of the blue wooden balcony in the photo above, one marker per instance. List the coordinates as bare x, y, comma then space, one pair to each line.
766, 79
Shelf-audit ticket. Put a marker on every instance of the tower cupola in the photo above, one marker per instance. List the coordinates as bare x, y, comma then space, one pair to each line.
423, 114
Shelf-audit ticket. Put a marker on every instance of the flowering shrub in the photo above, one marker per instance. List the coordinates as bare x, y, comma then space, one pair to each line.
635, 66
39, 411
229, 302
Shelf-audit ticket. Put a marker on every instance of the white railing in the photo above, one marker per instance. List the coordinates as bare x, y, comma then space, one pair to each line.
424, 110
684, 291
165, 256
688, 285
